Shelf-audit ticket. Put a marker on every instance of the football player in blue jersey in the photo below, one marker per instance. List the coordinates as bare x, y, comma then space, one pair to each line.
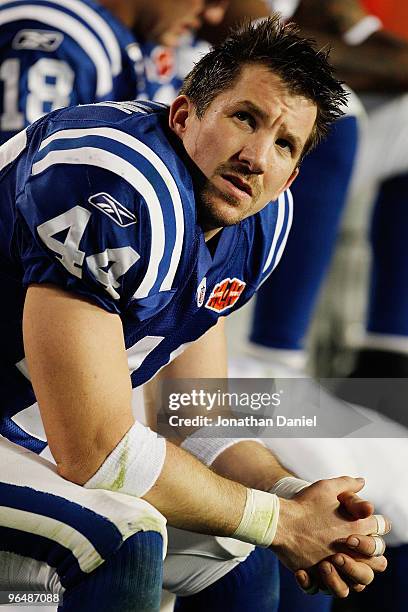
127, 233
167, 64
56, 53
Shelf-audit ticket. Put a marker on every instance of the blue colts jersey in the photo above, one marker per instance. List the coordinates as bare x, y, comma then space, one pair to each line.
99, 200
56, 53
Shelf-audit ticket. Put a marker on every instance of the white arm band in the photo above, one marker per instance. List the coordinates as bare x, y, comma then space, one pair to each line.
260, 519
207, 449
289, 486
362, 30
134, 465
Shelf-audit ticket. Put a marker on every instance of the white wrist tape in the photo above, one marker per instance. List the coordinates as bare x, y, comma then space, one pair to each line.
207, 449
289, 486
260, 519
134, 464
362, 30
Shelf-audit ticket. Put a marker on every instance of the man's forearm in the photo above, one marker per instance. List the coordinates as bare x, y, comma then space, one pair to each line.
193, 497
250, 464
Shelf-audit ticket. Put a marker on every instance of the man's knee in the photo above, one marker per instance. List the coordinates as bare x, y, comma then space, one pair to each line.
48, 522
130, 580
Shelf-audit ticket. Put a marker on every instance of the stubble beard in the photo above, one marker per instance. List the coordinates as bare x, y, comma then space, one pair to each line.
213, 215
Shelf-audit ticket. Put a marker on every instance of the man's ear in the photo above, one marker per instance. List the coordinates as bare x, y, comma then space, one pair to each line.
180, 111
291, 179
288, 183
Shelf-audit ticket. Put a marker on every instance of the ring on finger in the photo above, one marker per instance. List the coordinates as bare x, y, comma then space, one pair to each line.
379, 546
381, 524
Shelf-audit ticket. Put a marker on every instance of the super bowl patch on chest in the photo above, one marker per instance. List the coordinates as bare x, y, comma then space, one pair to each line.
225, 294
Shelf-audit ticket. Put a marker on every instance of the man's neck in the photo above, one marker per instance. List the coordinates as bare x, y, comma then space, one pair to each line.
212, 242
211, 233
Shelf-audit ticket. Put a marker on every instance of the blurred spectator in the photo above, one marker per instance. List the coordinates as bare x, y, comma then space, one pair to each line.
80, 51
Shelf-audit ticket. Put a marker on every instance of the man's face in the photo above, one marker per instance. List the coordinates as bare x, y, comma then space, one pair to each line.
247, 145
170, 20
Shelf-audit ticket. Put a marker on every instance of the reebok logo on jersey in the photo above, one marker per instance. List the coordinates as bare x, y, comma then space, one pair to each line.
42, 40
225, 294
113, 209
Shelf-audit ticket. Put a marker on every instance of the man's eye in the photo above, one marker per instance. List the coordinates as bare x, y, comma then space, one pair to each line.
246, 118
284, 144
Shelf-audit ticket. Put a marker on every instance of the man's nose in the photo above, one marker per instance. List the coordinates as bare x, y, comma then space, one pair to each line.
256, 154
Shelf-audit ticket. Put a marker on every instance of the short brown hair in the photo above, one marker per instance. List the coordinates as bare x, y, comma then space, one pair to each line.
304, 70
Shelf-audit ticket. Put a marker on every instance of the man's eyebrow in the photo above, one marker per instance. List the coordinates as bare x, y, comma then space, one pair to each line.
254, 109
263, 115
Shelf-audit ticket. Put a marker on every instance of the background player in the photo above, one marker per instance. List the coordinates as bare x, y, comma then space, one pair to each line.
55, 54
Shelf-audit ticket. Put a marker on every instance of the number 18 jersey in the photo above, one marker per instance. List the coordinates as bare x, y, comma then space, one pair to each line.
56, 53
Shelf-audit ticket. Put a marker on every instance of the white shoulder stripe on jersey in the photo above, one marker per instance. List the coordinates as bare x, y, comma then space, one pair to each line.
167, 177
278, 228
287, 230
96, 23
11, 149
30, 522
109, 161
83, 36
124, 107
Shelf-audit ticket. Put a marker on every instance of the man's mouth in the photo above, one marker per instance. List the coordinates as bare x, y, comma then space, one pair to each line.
238, 184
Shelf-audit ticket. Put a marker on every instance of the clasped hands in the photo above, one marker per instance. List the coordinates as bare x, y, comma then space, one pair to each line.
331, 538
